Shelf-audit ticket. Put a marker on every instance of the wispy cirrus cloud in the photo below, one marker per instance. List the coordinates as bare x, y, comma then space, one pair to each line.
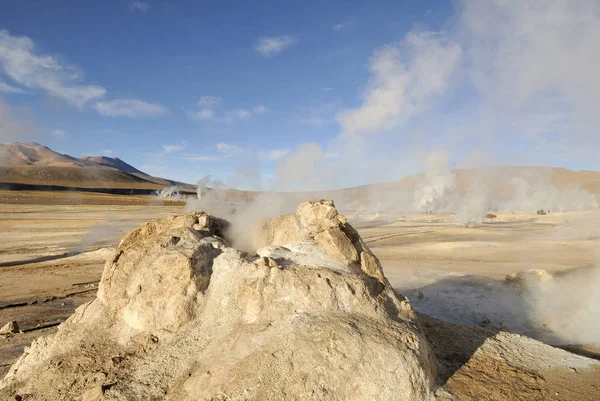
202, 114
228, 150
223, 151
273, 45
6, 88
200, 158
132, 108
209, 110
174, 147
344, 25
209, 102
22, 64
140, 6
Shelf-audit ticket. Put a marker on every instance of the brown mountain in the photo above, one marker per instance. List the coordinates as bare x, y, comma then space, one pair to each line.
113, 162
32, 164
34, 154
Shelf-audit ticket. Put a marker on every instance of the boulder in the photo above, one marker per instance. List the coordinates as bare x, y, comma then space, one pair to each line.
181, 315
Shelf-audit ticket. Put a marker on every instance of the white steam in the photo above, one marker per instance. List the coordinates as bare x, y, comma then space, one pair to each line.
438, 189
173, 192
516, 80
568, 306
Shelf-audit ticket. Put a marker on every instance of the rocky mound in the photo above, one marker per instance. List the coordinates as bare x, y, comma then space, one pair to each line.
181, 315
529, 277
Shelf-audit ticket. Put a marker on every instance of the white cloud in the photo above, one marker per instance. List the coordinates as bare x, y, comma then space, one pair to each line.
239, 114
209, 106
106, 152
58, 133
260, 109
243, 114
270, 46
228, 150
6, 88
225, 152
174, 148
327, 89
201, 158
23, 65
141, 6
203, 114
209, 102
132, 108
274, 155
342, 26
404, 78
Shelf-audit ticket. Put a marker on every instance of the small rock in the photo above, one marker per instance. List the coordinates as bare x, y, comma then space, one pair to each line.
421, 295
485, 322
10, 328
93, 394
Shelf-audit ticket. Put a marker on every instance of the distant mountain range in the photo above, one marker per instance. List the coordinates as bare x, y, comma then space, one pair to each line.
32, 164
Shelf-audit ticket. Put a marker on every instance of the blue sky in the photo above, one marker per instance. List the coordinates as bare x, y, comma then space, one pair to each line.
187, 88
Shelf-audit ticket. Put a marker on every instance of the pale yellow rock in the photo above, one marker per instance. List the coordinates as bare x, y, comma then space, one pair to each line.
181, 315
93, 394
529, 277
9, 328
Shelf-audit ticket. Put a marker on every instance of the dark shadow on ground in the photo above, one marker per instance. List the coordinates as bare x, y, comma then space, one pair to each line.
452, 344
460, 312
39, 259
473, 300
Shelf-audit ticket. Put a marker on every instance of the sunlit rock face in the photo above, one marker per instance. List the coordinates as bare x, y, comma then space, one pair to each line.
181, 315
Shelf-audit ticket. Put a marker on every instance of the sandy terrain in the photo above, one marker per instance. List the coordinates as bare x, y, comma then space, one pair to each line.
52, 252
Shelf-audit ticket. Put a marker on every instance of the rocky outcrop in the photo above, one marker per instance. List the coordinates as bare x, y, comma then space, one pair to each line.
318, 223
529, 277
181, 315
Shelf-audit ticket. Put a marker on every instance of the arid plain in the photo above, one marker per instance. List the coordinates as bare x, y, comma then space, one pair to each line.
54, 245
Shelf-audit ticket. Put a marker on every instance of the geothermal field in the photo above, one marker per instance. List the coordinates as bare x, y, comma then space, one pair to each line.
295, 201
475, 288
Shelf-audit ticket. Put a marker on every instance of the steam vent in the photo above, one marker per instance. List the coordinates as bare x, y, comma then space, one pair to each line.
182, 315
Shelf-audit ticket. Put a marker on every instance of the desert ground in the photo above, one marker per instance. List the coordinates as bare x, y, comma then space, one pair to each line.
53, 248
